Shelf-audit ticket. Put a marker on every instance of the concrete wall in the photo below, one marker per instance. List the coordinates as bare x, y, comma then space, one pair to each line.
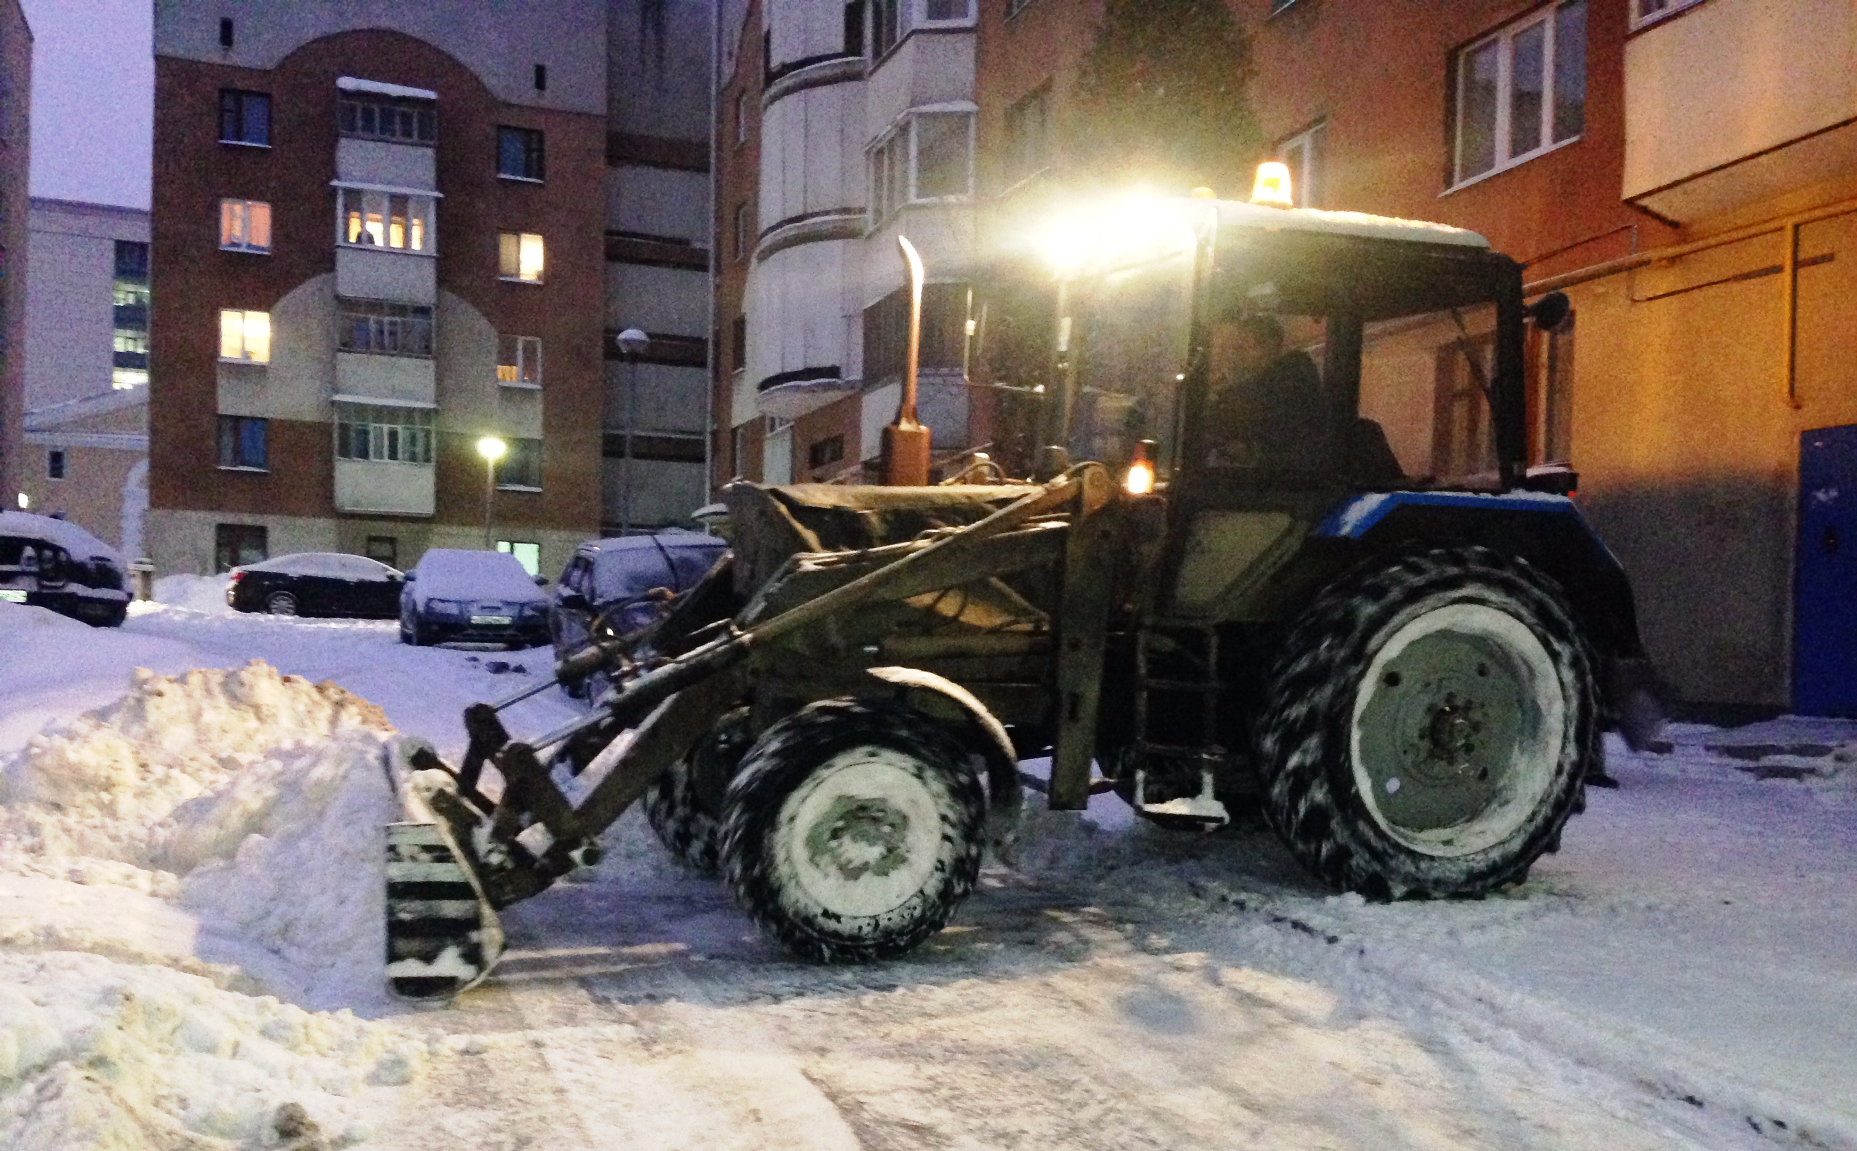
71, 268
499, 40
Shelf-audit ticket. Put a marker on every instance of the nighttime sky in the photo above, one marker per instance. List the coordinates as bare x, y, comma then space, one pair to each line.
93, 79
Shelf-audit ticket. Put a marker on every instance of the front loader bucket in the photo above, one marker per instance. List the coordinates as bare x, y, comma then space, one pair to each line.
443, 936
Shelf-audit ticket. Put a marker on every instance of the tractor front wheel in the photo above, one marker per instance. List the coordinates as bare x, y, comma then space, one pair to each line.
854, 829
683, 804
1429, 726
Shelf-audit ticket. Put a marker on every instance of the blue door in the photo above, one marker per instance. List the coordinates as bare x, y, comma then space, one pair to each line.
1825, 591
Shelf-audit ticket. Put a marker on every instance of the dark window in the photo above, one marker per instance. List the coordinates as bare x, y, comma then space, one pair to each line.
235, 544
132, 261
241, 442
827, 451
1028, 135
225, 32
384, 549
54, 464
884, 24
384, 118
522, 467
854, 28
741, 231
541, 77
519, 153
383, 432
1519, 91
383, 329
244, 117
738, 344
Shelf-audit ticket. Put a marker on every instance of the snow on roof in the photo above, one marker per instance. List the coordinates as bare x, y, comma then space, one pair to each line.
1238, 214
381, 88
64, 533
334, 565
448, 573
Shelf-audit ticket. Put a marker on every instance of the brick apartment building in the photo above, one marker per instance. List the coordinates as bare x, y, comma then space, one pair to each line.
840, 125
1645, 156
15, 162
381, 232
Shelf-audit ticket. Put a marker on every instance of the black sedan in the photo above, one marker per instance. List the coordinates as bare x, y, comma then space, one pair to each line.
317, 584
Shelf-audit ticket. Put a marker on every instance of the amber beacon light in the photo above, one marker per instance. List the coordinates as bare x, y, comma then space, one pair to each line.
1140, 480
1272, 187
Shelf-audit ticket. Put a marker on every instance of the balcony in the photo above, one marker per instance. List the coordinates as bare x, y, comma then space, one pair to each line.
1736, 102
384, 487
403, 379
385, 163
369, 273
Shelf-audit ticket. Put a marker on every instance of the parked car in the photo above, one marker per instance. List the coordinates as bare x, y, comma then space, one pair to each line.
453, 596
317, 583
55, 564
633, 578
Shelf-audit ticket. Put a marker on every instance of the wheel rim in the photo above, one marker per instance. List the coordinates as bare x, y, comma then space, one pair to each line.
1459, 725
283, 603
862, 836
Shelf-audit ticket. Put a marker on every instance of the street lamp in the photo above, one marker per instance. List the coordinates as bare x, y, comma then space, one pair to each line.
492, 450
632, 344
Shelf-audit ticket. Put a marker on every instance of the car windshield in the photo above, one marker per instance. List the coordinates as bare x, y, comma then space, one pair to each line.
1371, 362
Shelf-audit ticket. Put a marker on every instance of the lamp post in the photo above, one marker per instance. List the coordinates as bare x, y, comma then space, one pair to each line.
492, 450
632, 344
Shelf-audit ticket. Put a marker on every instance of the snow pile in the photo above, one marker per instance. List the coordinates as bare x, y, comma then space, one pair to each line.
95, 1054
194, 592
254, 800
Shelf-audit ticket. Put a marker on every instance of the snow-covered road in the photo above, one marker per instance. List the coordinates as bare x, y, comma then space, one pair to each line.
1682, 974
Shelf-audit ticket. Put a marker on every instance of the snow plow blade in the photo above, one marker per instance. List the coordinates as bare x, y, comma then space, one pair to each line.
443, 935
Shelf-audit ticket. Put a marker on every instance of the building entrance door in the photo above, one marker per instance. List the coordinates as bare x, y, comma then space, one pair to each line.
1825, 583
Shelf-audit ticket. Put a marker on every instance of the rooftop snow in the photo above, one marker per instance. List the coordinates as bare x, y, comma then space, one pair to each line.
1238, 214
380, 88
335, 565
446, 573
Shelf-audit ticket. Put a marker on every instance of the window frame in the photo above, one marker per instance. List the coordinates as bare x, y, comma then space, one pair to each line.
423, 226
538, 154
1639, 19
244, 96
741, 118
524, 346
393, 433
529, 449
245, 320
1545, 17
423, 112
129, 289
390, 323
238, 443
1313, 141
1020, 166
742, 246
541, 271
904, 129
57, 464
246, 219
910, 16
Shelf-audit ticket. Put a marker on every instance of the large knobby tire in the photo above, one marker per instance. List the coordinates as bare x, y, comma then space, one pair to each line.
686, 819
854, 829
1428, 726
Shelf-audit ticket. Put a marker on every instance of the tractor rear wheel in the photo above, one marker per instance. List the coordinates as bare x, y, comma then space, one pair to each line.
683, 804
854, 829
1429, 725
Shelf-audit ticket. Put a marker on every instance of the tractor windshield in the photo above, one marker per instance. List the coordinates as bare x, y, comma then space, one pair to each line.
1129, 339
1334, 357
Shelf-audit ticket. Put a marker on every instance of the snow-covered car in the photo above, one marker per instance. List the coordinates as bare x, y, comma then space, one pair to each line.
632, 578
454, 596
317, 583
55, 564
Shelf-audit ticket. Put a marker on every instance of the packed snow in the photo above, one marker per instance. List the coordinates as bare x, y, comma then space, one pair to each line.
445, 573
190, 951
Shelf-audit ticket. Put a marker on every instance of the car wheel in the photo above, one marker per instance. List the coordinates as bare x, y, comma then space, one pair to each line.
281, 603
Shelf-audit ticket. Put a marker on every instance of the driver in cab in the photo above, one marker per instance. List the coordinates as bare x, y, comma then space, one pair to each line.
1267, 409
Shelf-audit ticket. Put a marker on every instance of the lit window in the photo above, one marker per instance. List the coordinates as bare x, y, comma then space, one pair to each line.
519, 153
245, 225
367, 218
377, 327
519, 361
245, 336
1306, 154
519, 257
927, 157
241, 443
399, 121
529, 555
129, 298
1521, 91
521, 469
383, 433
244, 117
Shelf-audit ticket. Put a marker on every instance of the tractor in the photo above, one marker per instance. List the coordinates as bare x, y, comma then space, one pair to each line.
1279, 554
